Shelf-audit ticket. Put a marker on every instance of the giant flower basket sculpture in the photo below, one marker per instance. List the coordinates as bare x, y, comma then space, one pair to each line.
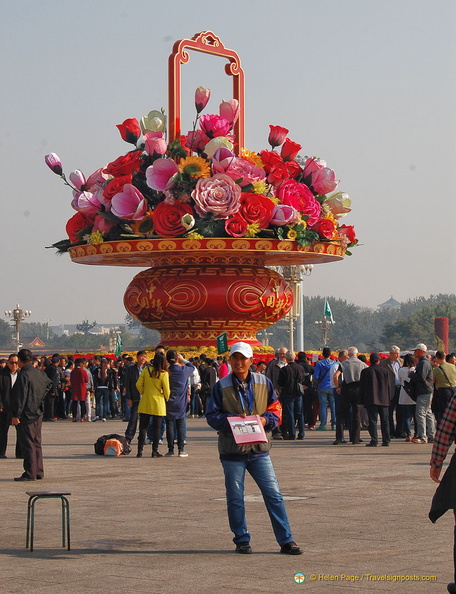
205, 216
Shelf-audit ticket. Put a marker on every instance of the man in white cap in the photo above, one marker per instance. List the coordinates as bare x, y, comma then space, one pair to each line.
423, 380
242, 393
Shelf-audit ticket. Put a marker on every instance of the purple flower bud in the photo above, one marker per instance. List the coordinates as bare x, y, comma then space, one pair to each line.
54, 163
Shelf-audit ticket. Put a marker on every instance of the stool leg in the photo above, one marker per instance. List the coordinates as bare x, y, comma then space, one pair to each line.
63, 522
67, 507
32, 527
28, 522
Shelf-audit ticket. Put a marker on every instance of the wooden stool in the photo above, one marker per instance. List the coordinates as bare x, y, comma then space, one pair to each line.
33, 498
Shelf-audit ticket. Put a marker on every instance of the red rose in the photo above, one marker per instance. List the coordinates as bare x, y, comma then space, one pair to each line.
349, 231
289, 150
167, 218
130, 130
77, 223
124, 165
256, 208
270, 159
116, 185
277, 135
236, 226
325, 228
284, 171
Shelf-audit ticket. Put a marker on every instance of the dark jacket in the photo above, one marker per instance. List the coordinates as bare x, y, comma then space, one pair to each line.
423, 377
130, 378
289, 377
29, 390
375, 386
5, 389
53, 374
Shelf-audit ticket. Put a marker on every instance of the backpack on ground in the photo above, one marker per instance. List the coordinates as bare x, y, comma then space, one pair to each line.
112, 445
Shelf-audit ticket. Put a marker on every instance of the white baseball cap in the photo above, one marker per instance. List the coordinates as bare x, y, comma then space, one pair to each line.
243, 348
420, 347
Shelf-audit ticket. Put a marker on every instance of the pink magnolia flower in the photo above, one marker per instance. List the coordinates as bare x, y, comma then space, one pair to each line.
155, 143
96, 184
102, 224
218, 194
277, 135
77, 178
201, 98
284, 215
230, 111
301, 198
239, 169
54, 163
85, 203
129, 204
214, 125
320, 178
159, 176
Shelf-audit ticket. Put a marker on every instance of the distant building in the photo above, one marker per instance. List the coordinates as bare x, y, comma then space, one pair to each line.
33, 343
390, 304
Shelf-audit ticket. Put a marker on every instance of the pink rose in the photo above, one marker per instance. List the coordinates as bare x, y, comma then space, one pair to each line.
217, 194
284, 215
241, 170
320, 178
155, 143
129, 204
214, 125
160, 175
299, 197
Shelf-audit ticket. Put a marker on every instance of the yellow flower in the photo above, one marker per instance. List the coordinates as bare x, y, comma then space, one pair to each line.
195, 167
194, 235
330, 217
252, 157
252, 230
95, 238
261, 187
292, 234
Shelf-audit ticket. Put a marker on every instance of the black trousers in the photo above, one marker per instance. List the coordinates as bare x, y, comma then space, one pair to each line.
144, 421
349, 401
29, 436
5, 424
130, 432
374, 411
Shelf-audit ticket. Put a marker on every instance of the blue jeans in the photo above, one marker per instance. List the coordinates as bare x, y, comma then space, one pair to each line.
292, 414
102, 402
326, 395
424, 418
408, 410
262, 472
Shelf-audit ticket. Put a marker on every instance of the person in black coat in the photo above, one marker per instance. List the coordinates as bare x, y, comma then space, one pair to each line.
375, 390
27, 398
8, 376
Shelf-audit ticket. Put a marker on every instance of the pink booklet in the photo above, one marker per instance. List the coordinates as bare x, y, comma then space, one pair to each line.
248, 429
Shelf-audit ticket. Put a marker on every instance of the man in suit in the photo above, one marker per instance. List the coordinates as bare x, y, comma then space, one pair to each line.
8, 376
290, 376
27, 398
393, 364
375, 389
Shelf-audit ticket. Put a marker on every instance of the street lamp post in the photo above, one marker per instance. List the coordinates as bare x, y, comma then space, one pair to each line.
324, 325
17, 315
294, 276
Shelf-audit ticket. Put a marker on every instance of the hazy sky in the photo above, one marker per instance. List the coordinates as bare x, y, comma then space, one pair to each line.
368, 86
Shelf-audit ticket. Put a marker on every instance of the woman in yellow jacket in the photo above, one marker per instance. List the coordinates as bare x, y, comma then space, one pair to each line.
153, 385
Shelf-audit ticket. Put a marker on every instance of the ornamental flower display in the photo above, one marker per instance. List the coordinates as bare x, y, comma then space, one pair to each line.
196, 186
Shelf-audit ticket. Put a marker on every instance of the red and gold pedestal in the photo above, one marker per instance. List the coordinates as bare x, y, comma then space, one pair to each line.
195, 289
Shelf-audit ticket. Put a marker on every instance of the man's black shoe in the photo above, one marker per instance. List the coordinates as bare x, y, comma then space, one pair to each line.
371, 444
24, 478
244, 548
3, 456
338, 441
451, 588
291, 548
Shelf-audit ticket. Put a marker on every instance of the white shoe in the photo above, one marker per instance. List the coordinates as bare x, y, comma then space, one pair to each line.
160, 441
104, 420
183, 454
